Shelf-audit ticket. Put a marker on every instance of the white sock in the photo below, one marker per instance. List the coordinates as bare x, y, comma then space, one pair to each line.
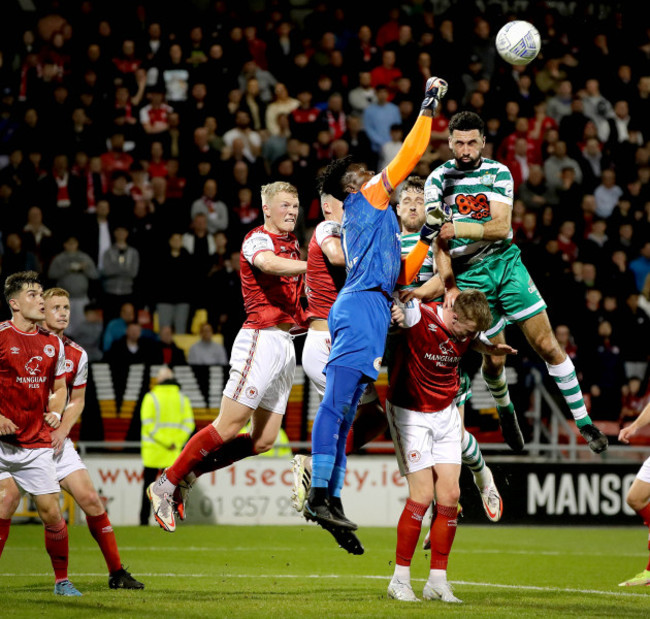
402, 573
437, 577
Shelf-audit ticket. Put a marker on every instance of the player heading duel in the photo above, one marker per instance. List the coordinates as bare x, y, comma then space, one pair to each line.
479, 192
360, 317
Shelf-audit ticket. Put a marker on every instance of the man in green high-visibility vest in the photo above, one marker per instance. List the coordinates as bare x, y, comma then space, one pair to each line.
167, 423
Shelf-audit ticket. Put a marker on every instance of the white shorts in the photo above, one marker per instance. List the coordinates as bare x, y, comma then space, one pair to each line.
644, 472
314, 359
262, 365
423, 440
32, 469
68, 461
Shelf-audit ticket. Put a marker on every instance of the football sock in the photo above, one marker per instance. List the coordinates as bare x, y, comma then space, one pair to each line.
473, 458
329, 430
564, 375
198, 447
498, 387
336, 482
443, 531
645, 514
437, 576
5, 523
408, 531
101, 529
402, 573
239, 448
56, 544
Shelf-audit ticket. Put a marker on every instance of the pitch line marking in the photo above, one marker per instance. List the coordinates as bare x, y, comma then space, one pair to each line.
465, 583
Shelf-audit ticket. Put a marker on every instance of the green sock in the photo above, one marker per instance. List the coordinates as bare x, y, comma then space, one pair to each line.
473, 458
498, 387
564, 375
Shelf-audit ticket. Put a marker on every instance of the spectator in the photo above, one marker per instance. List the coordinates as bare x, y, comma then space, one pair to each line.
115, 159
363, 95
15, 258
379, 117
390, 149
559, 105
214, 209
134, 348
88, 333
172, 355
634, 329
554, 165
607, 194
282, 104
73, 270
252, 142
206, 351
534, 191
116, 328
641, 266
176, 76
37, 237
633, 401
303, 120
171, 273
121, 267
96, 237
386, 74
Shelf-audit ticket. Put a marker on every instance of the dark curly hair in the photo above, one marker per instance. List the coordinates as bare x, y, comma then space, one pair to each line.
331, 181
466, 121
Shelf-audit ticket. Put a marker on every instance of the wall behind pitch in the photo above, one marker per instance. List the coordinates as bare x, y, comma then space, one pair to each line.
258, 491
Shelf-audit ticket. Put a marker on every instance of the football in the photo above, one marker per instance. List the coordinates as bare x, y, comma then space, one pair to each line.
518, 42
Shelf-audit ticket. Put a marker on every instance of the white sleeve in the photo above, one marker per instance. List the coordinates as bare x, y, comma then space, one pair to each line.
326, 229
60, 361
256, 243
412, 312
81, 376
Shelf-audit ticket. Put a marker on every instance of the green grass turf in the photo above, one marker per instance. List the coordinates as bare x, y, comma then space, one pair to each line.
278, 572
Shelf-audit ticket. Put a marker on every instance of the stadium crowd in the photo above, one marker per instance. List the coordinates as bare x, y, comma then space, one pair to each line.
134, 140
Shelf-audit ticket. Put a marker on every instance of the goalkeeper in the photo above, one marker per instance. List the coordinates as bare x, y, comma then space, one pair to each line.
360, 317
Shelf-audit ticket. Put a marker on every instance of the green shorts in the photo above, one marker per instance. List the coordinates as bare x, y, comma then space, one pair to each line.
510, 291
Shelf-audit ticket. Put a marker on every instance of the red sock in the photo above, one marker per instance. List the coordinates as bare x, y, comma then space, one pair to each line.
56, 544
101, 529
408, 531
239, 448
5, 523
197, 448
443, 531
645, 514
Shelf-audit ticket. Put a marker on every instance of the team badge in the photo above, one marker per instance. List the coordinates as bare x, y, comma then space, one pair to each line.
69, 366
414, 456
488, 179
251, 393
446, 348
33, 366
377, 364
49, 350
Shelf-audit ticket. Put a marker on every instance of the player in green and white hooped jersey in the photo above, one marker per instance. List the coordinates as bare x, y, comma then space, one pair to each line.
427, 286
481, 255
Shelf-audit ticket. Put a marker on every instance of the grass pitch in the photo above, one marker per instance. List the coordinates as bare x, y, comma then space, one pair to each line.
220, 571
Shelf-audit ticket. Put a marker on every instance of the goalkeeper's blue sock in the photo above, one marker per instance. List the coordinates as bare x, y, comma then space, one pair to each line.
340, 388
564, 375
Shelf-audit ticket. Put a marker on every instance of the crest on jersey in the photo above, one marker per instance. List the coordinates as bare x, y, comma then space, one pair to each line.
446, 348
488, 179
33, 366
251, 393
15, 350
377, 364
414, 456
69, 366
49, 350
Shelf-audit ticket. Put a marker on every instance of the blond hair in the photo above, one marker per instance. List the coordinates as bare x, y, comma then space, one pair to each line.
473, 305
272, 189
55, 292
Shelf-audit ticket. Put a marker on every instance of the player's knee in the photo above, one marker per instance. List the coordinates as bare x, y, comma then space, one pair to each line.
9, 502
50, 514
635, 502
450, 495
90, 503
424, 497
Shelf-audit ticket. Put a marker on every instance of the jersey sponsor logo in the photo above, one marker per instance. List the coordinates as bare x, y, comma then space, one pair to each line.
33, 366
414, 456
476, 207
69, 366
377, 364
15, 350
49, 350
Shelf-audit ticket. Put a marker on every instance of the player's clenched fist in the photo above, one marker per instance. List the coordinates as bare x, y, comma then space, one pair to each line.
53, 420
7, 426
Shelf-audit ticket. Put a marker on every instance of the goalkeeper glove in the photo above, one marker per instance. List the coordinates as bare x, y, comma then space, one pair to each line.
437, 214
435, 90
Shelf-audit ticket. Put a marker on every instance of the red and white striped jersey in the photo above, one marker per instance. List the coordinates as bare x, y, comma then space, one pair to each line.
322, 280
425, 375
29, 365
269, 299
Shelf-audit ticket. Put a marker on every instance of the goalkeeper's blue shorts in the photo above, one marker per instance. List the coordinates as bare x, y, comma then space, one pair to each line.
358, 323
